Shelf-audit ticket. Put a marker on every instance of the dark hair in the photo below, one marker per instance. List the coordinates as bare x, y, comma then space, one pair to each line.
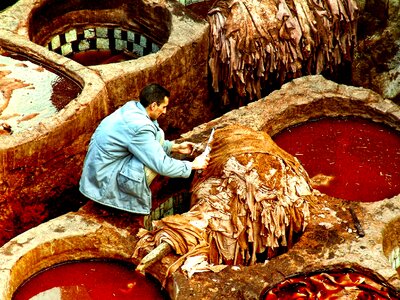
153, 93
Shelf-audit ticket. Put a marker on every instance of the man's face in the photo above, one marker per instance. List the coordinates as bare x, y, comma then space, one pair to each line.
157, 110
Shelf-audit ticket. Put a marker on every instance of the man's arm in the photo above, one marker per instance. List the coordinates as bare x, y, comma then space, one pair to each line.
144, 146
199, 163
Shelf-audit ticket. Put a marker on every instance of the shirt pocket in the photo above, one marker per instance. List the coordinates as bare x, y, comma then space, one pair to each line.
132, 182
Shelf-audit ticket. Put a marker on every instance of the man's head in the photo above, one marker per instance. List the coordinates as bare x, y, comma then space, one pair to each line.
155, 99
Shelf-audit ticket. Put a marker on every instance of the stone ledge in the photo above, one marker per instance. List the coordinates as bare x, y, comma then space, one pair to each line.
330, 240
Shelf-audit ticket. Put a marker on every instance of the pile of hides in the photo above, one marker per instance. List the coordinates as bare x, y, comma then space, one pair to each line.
343, 284
252, 199
254, 43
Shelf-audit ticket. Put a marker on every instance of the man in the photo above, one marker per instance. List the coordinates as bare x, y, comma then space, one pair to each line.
128, 150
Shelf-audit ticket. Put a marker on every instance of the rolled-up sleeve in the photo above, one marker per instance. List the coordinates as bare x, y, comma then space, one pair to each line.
167, 146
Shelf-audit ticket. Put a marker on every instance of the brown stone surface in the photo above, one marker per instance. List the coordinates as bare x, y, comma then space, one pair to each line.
40, 164
303, 99
329, 241
50, 161
181, 65
376, 63
44, 160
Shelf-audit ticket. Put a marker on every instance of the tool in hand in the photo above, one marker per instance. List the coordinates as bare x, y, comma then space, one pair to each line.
208, 147
207, 150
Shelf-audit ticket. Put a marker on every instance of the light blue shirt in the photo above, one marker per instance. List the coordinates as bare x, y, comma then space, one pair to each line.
124, 142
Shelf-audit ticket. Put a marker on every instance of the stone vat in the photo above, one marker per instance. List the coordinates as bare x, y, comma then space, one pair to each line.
68, 237
171, 43
330, 240
181, 65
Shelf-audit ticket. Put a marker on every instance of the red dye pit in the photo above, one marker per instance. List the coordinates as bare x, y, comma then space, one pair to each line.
357, 159
100, 57
90, 280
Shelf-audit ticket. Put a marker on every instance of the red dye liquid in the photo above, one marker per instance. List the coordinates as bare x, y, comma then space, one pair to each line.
363, 157
99, 57
90, 280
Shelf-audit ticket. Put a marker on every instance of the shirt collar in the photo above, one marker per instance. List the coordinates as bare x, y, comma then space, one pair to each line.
141, 107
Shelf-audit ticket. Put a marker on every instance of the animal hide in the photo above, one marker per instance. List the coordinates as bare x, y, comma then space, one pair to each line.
252, 199
256, 43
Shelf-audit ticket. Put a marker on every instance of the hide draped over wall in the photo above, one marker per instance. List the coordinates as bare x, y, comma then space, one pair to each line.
252, 199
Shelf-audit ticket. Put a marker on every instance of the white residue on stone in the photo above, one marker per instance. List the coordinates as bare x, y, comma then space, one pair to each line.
326, 225
35, 98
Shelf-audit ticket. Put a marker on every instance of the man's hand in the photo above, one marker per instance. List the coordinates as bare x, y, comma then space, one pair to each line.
183, 148
200, 162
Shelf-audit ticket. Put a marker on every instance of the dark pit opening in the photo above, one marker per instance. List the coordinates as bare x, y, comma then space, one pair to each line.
4, 4
100, 32
170, 196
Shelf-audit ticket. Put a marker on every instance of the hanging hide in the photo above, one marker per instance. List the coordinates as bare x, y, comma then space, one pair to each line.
252, 199
256, 43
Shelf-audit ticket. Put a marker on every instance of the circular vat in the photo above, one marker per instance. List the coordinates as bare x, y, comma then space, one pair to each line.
100, 32
334, 282
356, 129
347, 157
129, 44
337, 125
90, 279
71, 242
